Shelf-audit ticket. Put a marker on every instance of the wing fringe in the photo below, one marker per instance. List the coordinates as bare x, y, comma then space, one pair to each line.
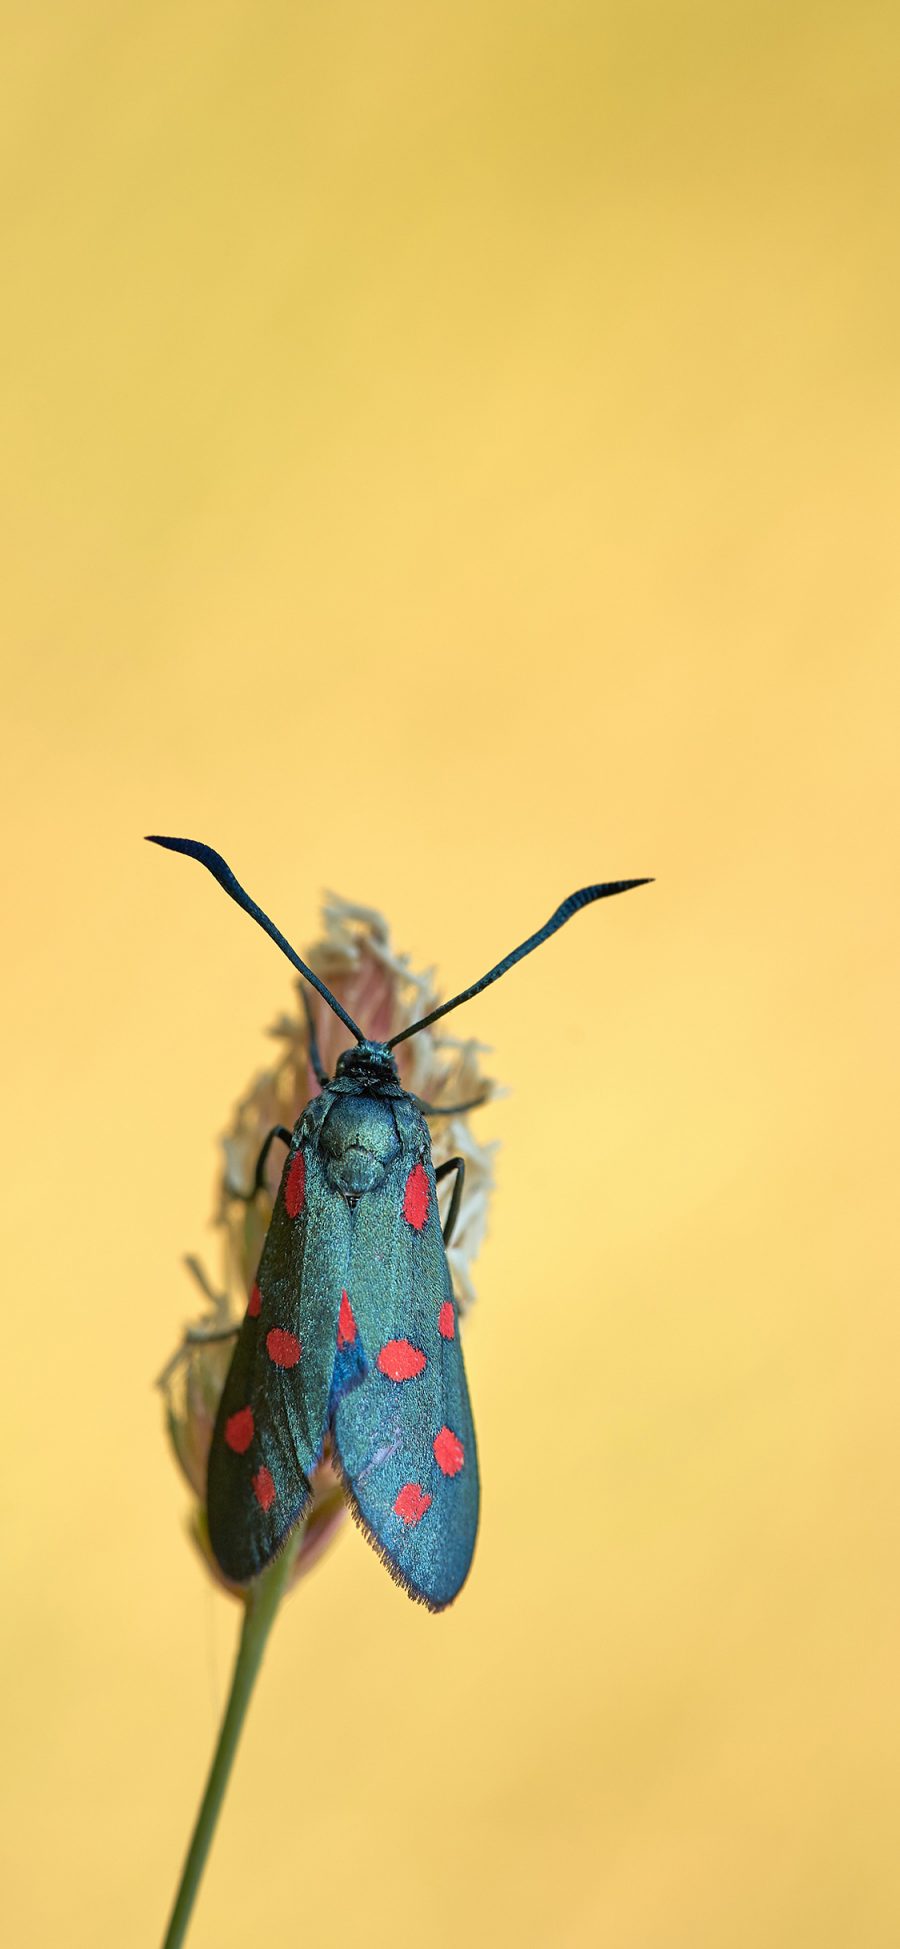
412, 1590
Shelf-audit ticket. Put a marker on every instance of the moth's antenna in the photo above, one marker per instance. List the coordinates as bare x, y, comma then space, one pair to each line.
575, 902
221, 871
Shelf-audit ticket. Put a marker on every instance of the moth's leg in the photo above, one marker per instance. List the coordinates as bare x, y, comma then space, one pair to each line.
315, 1060
247, 1197
456, 1164
448, 1109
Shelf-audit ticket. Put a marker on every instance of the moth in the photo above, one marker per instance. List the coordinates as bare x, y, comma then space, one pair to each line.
351, 1333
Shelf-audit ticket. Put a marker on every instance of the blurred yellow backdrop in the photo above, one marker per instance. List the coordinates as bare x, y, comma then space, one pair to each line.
450, 454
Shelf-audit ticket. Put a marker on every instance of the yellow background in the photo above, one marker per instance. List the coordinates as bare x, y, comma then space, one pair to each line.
450, 454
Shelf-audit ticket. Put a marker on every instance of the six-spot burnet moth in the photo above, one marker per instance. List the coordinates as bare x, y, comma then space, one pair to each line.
351, 1333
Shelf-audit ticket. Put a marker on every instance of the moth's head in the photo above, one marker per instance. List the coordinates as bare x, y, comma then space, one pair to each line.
366, 1063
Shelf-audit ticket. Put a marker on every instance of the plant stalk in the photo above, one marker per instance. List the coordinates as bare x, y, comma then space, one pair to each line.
262, 1603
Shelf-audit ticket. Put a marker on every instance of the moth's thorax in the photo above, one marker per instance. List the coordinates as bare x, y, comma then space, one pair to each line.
358, 1142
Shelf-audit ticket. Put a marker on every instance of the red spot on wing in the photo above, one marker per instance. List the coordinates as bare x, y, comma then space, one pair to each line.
239, 1430
295, 1188
254, 1303
415, 1197
282, 1347
399, 1360
446, 1322
412, 1503
264, 1489
448, 1452
346, 1323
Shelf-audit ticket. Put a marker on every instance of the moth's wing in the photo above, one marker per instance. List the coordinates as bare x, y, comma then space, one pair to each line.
272, 1417
403, 1436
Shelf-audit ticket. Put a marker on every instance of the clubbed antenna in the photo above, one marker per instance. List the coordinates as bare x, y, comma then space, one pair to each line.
221, 871
575, 902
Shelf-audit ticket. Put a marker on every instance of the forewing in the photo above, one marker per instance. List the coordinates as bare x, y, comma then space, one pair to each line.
404, 1436
273, 1413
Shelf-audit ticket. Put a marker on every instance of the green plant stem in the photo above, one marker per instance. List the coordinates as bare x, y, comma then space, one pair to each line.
262, 1603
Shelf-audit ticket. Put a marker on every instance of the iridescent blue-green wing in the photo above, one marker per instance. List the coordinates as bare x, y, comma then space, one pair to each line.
272, 1417
403, 1436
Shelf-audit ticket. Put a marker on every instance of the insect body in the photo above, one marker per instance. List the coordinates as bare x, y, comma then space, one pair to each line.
351, 1332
